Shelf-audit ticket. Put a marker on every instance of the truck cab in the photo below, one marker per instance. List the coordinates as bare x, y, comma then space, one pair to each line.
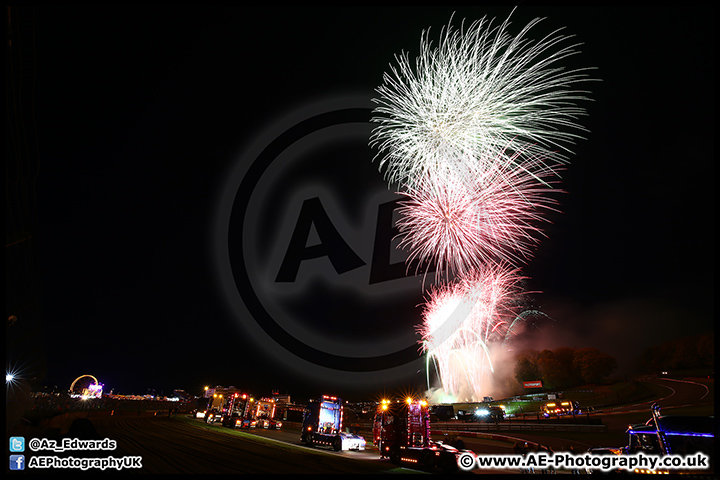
401, 431
323, 425
671, 435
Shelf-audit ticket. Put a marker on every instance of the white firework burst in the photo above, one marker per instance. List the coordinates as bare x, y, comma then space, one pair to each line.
479, 97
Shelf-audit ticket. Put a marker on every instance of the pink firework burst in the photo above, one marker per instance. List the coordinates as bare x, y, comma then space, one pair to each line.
462, 324
461, 223
439, 225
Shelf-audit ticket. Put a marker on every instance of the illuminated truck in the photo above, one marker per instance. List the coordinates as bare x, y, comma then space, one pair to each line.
559, 409
673, 435
264, 414
214, 409
401, 431
323, 425
661, 435
238, 411
490, 413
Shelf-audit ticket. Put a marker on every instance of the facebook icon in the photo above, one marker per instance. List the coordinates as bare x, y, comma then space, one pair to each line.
17, 462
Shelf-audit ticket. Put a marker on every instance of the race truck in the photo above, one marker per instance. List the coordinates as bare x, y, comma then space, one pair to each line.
490, 414
214, 410
661, 435
323, 425
264, 414
566, 407
401, 431
441, 413
237, 411
483, 413
201, 406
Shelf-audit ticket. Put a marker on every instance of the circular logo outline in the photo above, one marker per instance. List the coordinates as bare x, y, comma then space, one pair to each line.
236, 194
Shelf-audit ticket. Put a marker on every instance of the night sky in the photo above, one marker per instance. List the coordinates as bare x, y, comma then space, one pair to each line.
141, 120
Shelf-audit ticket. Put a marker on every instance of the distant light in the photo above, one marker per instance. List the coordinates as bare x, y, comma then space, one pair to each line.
13, 377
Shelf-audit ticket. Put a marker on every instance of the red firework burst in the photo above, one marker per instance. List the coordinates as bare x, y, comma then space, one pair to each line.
460, 224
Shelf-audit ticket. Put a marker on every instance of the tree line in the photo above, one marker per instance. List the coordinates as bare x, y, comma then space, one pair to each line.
570, 367
564, 367
691, 352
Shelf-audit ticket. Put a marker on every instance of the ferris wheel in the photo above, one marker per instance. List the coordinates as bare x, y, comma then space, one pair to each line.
87, 388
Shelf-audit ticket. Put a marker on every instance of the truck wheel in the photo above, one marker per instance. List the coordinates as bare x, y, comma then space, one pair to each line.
449, 464
428, 458
395, 456
337, 444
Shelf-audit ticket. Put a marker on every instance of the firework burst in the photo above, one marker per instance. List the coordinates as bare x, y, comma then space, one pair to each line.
480, 95
475, 133
462, 321
439, 225
461, 224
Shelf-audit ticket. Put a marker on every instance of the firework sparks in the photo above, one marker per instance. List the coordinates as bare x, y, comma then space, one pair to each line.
474, 135
438, 224
461, 322
480, 94
460, 226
